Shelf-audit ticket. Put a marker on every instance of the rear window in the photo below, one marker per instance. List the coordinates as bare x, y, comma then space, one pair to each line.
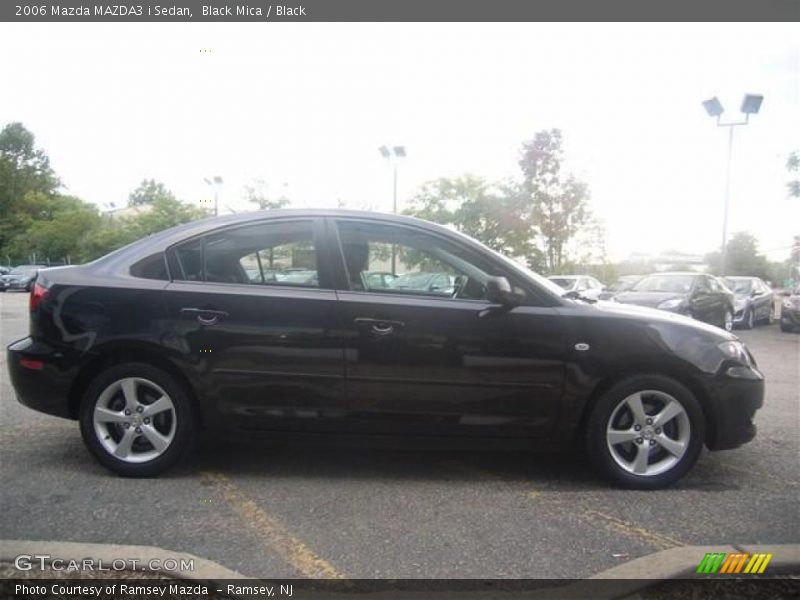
152, 267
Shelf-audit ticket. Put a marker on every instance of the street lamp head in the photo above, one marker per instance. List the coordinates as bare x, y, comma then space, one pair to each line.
400, 151
713, 107
384, 152
751, 103
217, 179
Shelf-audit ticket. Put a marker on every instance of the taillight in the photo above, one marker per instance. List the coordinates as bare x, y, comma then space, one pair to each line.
38, 293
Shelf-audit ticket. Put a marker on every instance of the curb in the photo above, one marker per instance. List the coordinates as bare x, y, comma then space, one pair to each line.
107, 553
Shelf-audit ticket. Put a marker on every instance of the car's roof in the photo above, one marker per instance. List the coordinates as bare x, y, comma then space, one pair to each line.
740, 277
567, 276
690, 273
158, 242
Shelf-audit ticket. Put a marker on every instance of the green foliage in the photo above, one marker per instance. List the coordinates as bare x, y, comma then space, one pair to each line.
258, 193
494, 214
39, 220
149, 192
24, 171
742, 258
558, 201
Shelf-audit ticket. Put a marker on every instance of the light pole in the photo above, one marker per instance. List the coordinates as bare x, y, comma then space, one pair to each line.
393, 155
751, 103
215, 182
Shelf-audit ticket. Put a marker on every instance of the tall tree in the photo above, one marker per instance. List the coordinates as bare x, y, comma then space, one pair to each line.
148, 192
742, 258
24, 170
258, 193
491, 213
558, 202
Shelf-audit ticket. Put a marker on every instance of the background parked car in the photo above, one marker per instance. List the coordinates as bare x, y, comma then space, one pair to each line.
753, 301
379, 279
697, 295
420, 281
622, 284
585, 285
790, 311
20, 278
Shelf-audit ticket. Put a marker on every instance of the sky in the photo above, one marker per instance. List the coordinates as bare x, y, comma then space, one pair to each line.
305, 106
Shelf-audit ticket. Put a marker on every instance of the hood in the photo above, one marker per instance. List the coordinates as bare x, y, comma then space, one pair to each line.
652, 299
613, 309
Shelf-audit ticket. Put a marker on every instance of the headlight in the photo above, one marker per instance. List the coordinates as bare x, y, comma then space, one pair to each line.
673, 303
735, 350
739, 304
787, 303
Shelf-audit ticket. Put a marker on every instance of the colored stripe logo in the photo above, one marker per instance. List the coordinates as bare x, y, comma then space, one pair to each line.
733, 563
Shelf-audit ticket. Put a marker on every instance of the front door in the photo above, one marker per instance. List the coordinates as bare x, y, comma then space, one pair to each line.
254, 314
426, 353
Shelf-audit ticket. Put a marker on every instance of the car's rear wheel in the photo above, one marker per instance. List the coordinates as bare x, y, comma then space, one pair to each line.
137, 420
646, 432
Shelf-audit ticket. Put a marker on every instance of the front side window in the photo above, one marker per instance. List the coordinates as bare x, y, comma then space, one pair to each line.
276, 254
398, 260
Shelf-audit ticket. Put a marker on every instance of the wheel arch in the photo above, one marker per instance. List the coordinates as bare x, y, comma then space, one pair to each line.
116, 355
687, 379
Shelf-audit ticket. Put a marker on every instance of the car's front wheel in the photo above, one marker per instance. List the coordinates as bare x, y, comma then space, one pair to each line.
646, 432
136, 420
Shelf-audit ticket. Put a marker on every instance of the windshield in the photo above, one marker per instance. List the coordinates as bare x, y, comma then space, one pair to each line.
24, 270
564, 282
677, 284
739, 286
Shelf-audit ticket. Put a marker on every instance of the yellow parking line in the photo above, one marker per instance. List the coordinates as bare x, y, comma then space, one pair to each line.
629, 529
271, 532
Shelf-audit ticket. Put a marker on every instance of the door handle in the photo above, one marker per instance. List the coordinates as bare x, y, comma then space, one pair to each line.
379, 326
205, 316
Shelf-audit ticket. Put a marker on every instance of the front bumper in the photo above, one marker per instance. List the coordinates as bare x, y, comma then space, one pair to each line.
44, 389
737, 395
790, 316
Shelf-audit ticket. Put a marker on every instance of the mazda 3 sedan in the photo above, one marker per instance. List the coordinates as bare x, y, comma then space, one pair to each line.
175, 335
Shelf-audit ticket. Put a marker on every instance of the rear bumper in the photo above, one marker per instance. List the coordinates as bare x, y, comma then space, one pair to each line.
41, 376
739, 394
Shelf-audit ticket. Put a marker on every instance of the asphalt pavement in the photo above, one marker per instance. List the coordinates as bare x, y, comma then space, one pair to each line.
295, 510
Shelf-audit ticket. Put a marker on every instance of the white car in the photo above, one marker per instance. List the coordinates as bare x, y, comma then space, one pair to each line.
585, 285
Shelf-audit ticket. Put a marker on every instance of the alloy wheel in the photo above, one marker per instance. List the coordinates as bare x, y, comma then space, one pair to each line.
648, 433
134, 420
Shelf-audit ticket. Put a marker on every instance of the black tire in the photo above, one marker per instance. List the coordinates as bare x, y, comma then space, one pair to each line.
185, 424
598, 449
786, 328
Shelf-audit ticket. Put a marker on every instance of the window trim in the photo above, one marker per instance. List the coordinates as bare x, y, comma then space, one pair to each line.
317, 238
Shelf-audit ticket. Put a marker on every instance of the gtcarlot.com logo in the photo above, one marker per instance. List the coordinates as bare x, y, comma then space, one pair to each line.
32, 562
734, 563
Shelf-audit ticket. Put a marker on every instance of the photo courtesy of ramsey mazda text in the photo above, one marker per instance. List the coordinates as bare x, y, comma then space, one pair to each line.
292, 321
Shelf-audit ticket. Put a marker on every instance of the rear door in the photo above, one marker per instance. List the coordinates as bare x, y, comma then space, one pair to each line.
252, 310
429, 354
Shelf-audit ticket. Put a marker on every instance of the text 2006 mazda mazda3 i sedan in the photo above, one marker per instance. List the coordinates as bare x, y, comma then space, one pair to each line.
270, 322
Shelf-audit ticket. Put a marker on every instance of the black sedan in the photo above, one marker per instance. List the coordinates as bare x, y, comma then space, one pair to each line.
171, 336
697, 295
19, 278
753, 301
790, 311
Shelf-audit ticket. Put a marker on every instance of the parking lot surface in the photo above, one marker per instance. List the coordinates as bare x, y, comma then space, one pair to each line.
296, 510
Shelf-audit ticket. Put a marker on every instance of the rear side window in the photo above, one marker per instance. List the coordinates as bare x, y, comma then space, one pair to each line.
276, 254
152, 267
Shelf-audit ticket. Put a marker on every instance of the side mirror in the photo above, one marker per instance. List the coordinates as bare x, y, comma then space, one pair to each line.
499, 290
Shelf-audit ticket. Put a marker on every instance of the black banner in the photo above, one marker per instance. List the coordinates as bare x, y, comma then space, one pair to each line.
398, 10
115, 588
